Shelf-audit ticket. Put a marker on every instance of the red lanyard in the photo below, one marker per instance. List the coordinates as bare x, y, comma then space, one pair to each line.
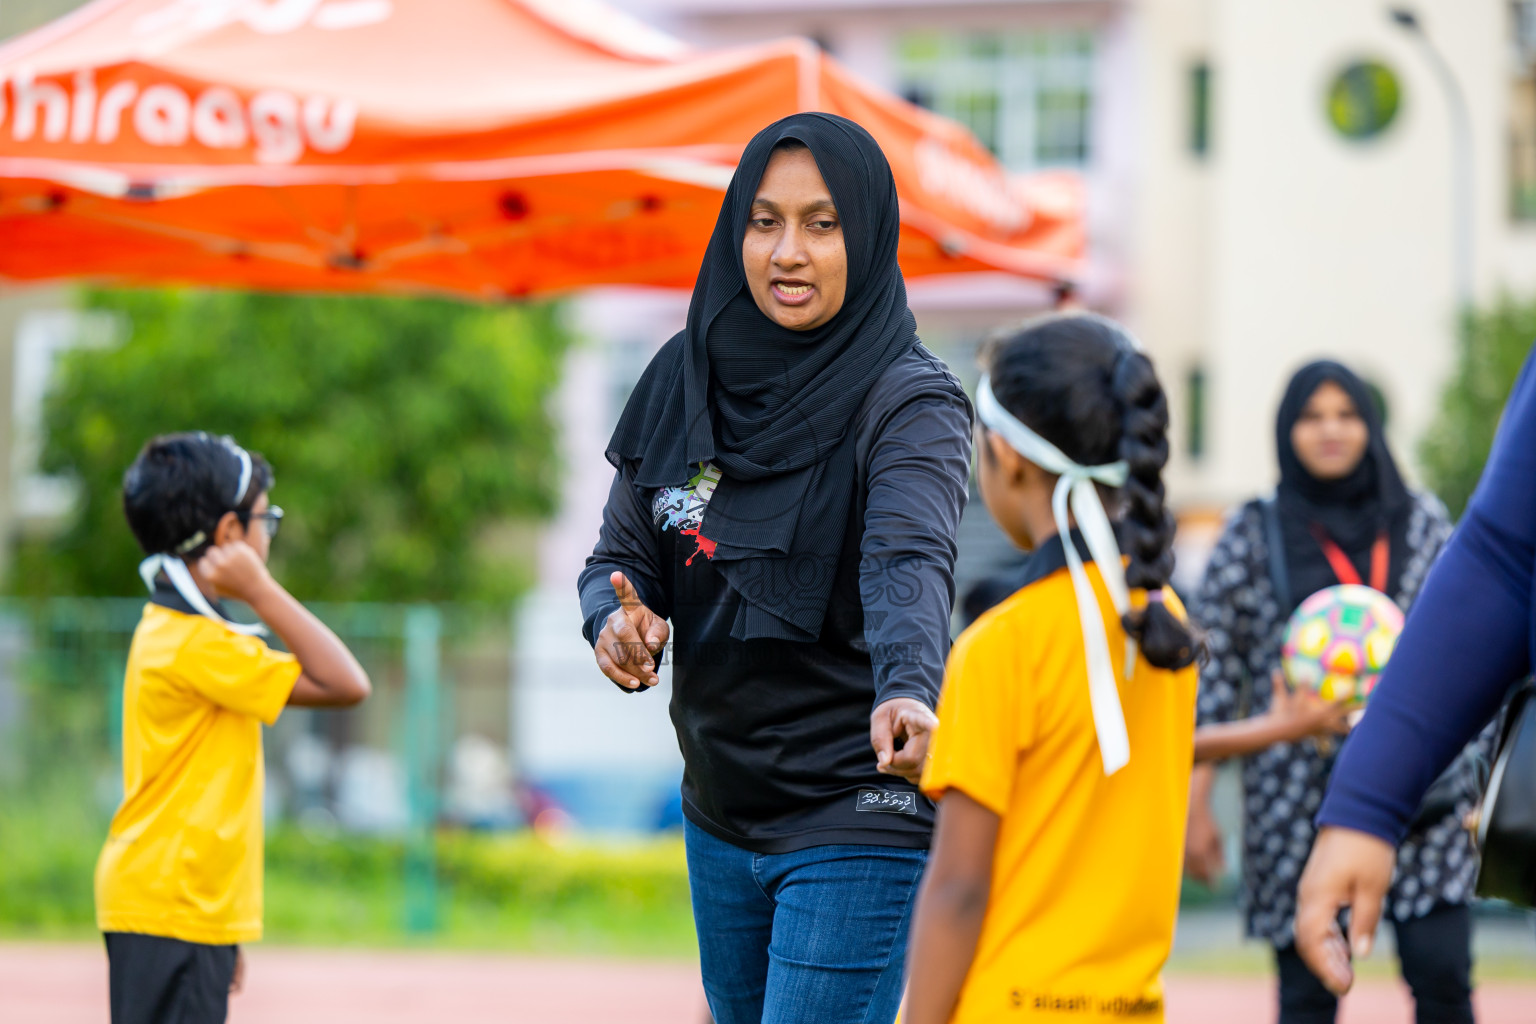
1344, 569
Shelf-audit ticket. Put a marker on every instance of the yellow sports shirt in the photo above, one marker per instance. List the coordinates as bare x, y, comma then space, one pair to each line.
183, 857
1086, 871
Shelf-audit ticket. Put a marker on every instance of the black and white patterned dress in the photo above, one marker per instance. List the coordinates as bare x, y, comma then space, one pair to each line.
1283, 785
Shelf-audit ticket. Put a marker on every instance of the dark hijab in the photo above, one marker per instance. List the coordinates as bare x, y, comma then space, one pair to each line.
772, 407
1353, 510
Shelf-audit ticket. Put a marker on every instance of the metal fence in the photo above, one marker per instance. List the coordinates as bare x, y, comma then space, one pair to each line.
431, 745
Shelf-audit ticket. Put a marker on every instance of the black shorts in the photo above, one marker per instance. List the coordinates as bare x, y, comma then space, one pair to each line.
155, 980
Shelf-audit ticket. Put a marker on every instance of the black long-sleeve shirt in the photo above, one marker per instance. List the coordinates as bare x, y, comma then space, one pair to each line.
775, 733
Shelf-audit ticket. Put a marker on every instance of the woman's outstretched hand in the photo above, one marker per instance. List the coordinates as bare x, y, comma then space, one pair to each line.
631, 640
909, 721
1346, 869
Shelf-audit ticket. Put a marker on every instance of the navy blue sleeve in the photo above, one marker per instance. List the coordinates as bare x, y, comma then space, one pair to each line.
627, 543
919, 465
1467, 640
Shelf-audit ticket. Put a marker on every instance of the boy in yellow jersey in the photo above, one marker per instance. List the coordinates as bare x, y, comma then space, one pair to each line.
1062, 758
178, 885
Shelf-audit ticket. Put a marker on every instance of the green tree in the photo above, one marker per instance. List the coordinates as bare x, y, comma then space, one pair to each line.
1494, 344
409, 438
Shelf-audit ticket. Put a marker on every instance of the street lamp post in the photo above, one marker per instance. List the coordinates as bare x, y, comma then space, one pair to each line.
1461, 155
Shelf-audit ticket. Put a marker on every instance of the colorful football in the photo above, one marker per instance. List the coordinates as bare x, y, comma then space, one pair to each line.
1339, 640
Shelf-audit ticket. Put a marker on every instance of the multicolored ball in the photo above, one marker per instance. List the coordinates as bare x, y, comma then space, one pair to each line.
1339, 640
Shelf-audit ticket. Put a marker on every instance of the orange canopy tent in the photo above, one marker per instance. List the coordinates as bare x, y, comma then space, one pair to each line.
486, 148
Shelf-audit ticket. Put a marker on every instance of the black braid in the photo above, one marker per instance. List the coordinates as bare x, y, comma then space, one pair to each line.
1148, 525
1081, 382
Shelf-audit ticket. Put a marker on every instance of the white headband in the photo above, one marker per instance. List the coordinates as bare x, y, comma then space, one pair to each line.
176, 570
1076, 484
181, 578
245, 472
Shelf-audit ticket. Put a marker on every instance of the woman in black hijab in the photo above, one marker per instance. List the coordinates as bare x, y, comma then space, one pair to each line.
791, 470
1340, 514
1365, 511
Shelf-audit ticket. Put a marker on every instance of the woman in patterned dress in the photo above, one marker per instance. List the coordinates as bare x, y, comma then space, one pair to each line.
1339, 493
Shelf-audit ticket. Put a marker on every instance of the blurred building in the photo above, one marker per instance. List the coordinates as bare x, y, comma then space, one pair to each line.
36, 324
1267, 182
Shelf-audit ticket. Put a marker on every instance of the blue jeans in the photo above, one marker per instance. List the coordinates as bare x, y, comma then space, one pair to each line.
818, 936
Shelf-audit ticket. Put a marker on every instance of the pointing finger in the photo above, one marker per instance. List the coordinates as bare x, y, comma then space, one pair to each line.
624, 590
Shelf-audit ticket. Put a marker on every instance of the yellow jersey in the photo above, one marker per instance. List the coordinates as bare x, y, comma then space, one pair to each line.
1086, 870
183, 857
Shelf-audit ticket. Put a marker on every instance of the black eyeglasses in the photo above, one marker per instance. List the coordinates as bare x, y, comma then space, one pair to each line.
270, 519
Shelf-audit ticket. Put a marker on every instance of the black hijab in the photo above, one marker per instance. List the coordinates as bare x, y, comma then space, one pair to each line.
1352, 510
772, 407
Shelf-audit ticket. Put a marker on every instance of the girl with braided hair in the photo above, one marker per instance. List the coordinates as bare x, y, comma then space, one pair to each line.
1063, 754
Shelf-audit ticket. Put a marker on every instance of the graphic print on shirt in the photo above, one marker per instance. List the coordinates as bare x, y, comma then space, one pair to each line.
682, 508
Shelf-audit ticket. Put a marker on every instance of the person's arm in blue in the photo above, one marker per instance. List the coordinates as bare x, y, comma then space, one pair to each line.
623, 602
1466, 642
919, 465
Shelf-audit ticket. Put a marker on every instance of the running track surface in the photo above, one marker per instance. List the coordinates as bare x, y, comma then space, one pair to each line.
67, 984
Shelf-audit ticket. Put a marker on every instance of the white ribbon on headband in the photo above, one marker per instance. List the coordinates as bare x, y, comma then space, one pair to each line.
245, 472
1076, 487
181, 577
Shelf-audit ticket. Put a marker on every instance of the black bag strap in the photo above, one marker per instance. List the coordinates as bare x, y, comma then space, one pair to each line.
1279, 573
1507, 819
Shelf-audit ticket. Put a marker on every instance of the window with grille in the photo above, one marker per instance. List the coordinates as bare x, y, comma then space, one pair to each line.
1194, 415
1522, 111
1028, 96
1200, 109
